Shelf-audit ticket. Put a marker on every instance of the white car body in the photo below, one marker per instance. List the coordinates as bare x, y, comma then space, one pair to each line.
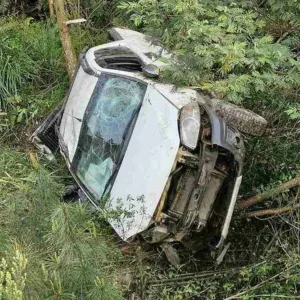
163, 184
154, 143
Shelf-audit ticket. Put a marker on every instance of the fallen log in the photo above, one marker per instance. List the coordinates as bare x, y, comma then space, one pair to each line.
267, 194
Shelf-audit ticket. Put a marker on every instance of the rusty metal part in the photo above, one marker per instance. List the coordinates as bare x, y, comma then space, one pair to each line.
159, 233
183, 188
209, 197
205, 134
188, 159
221, 166
208, 160
221, 134
161, 204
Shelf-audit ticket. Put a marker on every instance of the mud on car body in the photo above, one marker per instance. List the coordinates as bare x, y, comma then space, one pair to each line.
172, 158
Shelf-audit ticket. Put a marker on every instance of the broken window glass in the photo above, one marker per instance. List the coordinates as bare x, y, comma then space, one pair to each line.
109, 113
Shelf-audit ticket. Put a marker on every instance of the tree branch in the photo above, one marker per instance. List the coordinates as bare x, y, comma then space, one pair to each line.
267, 194
271, 211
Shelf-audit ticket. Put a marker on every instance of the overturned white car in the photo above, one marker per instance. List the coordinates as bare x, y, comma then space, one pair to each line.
170, 158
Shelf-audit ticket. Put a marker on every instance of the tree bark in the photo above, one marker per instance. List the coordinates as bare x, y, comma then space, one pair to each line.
51, 8
65, 37
270, 193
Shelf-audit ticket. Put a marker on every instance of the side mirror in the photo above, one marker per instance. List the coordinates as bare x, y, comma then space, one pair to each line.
151, 71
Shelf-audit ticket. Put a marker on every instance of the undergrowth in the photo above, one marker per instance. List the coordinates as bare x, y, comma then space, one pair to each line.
32, 75
49, 250
67, 255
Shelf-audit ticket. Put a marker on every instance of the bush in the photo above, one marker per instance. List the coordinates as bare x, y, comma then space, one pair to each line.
222, 48
13, 277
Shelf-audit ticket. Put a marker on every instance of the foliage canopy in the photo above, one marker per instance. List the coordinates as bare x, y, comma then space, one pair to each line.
222, 47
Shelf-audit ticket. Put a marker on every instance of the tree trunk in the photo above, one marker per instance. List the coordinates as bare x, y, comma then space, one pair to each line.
51, 8
65, 37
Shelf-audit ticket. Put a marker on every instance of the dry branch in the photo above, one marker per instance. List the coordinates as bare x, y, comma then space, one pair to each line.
271, 211
255, 287
270, 193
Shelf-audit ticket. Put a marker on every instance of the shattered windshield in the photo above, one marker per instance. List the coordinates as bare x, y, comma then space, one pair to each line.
107, 118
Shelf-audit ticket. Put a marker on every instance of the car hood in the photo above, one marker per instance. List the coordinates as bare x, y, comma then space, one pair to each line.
146, 166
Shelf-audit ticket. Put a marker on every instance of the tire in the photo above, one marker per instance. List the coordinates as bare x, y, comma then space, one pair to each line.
241, 119
114, 35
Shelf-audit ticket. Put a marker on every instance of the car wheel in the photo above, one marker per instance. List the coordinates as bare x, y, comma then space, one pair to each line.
242, 119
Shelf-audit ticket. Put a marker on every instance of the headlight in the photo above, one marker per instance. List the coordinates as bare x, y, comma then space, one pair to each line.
190, 125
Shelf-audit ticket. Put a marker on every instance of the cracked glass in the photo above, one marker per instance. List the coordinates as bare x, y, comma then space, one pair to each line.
105, 125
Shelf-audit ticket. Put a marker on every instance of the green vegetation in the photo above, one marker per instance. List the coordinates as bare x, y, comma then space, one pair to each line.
32, 76
246, 52
49, 250
60, 252
221, 47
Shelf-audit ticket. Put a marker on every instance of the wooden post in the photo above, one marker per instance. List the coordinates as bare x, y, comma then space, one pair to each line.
65, 37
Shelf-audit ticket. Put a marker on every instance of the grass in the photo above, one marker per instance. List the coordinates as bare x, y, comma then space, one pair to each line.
57, 250
32, 75
68, 255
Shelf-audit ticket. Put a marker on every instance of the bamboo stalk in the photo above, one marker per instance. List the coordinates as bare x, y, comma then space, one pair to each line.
267, 194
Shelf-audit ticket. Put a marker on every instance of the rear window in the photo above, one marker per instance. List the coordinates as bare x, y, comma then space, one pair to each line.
118, 58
